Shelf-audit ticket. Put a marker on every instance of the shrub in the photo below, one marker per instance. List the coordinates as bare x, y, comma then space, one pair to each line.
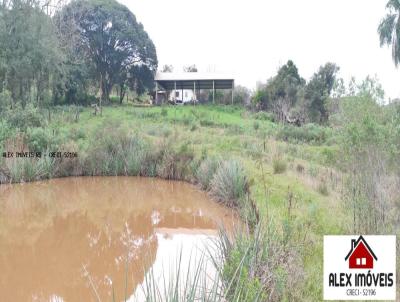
5, 99
279, 165
25, 118
323, 189
249, 286
30, 169
76, 134
193, 127
264, 116
40, 139
107, 153
313, 170
164, 112
186, 120
137, 158
309, 133
206, 171
166, 132
175, 164
114, 99
235, 130
329, 155
207, 123
229, 183
69, 166
256, 125
6, 131
261, 265
300, 168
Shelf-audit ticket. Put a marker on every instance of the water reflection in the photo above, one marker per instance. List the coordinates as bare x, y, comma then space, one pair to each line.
83, 239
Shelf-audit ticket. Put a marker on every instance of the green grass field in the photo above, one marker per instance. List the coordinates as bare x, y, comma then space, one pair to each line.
307, 186
291, 175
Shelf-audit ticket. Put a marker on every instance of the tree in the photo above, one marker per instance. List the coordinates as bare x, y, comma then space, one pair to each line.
30, 54
241, 95
371, 88
190, 68
167, 68
389, 29
140, 79
283, 91
369, 146
260, 98
112, 40
318, 91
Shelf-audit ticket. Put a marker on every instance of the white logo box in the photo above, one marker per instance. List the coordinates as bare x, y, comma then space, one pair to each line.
336, 248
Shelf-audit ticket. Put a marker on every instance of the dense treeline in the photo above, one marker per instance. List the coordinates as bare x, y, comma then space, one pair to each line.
69, 54
291, 99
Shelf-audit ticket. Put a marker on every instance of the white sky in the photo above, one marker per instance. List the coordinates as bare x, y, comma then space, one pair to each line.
252, 38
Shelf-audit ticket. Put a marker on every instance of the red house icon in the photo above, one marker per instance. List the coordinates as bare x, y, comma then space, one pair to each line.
360, 255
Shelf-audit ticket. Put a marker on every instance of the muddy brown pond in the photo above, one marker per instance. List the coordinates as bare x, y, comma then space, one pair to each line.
87, 238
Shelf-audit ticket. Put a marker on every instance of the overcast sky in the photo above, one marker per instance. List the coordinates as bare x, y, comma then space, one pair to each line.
252, 38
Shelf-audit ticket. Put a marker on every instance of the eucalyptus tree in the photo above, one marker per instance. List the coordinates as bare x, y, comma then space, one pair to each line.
389, 29
283, 91
318, 90
167, 68
190, 68
29, 52
111, 39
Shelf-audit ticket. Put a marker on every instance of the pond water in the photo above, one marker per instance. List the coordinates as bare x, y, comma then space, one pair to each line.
89, 238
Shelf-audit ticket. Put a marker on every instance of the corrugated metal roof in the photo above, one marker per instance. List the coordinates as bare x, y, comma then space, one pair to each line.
189, 80
191, 76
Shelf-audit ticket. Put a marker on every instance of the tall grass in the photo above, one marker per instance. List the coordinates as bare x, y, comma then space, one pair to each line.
206, 171
279, 165
229, 183
237, 266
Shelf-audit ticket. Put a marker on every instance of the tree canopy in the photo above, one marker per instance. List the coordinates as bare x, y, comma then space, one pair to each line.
190, 68
67, 54
30, 56
389, 29
111, 38
318, 91
294, 100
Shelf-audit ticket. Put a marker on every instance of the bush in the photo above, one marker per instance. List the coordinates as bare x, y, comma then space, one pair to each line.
24, 118
109, 153
70, 166
193, 127
176, 164
279, 166
256, 125
138, 157
309, 133
164, 112
262, 265
264, 116
207, 123
5, 99
6, 131
30, 169
235, 130
229, 183
186, 120
329, 155
300, 168
40, 139
235, 271
77, 133
323, 189
206, 171
114, 99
